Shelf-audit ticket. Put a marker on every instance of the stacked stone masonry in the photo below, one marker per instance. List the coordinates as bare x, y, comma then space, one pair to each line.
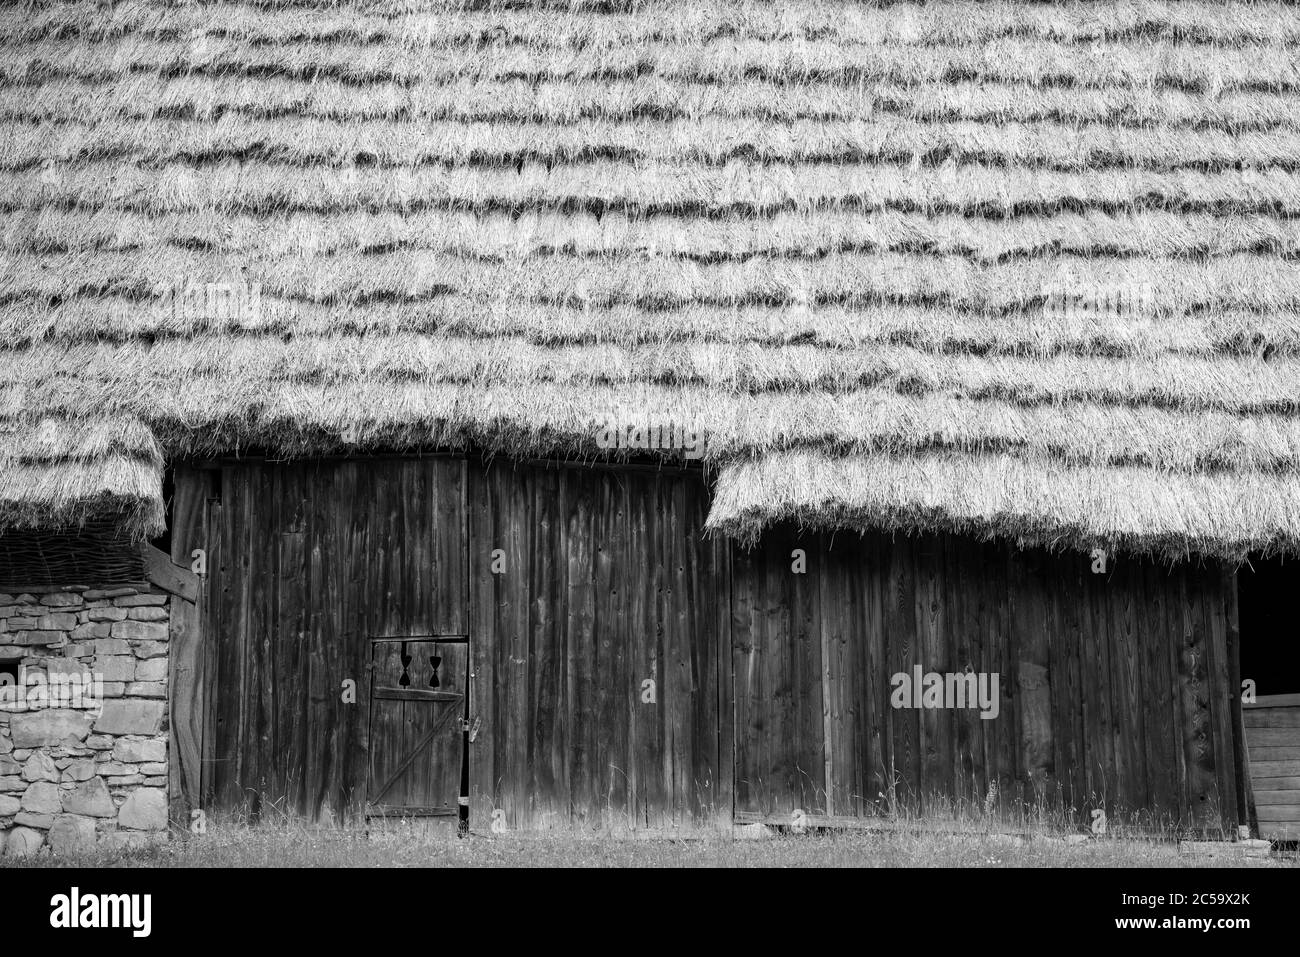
77, 770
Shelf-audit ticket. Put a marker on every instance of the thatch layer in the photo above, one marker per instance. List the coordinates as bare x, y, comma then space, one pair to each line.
499, 235
570, 102
63, 472
1034, 503
404, 144
1141, 62
1005, 268
570, 25
202, 369
739, 188
1240, 281
928, 327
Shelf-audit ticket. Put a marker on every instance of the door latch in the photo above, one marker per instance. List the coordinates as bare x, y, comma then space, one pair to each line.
471, 728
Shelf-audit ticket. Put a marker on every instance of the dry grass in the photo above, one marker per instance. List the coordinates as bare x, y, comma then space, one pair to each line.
567, 102
324, 240
650, 188
1001, 495
459, 22
1135, 62
308, 141
300, 846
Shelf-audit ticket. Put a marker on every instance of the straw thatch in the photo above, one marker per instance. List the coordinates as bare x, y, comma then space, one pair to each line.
1003, 268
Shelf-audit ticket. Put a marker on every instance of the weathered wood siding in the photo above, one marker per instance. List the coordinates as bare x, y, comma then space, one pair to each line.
307, 563
607, 584
1114, 687
603, 582
576, 586
1273, 742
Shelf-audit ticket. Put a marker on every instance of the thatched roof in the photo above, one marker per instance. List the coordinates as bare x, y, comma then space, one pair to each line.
1008, 268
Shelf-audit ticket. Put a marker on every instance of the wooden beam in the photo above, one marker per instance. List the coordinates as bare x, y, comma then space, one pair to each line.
171, 578
414, 694
185, 680
185, 685
1275, 701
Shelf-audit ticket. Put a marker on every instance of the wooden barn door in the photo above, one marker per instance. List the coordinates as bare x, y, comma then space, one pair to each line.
309, 564
417, 706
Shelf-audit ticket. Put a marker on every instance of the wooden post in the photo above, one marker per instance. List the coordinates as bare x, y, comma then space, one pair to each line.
183, 684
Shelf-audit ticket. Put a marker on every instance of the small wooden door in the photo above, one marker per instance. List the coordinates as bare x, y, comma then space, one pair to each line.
1272, 725
417, 702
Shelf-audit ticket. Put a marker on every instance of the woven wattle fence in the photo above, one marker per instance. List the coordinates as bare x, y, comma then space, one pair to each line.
93, 555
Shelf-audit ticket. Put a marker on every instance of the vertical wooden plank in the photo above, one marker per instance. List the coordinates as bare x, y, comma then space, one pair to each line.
1157, 685
292, 641
744, 660
228, 691
364, 551
546, 654
626, 653
514, 537
261, 677
1034, 678
582, 663
1194, 696
813, 718
1010, 725
1221, 693
245, 756
561, 745
1240, 760
617, 694
934, 744
836, 600
639, 580
1173, 648
1102, 782
185, 716
360, 614
321, 536
963, 655
186, 676
1065, 652
723, 556
447, 548
685, 667
829, 610
488, 707
798, 679
1130, 734
217, 598
773, 697
336, 494
904, 656
986, 623
877, 775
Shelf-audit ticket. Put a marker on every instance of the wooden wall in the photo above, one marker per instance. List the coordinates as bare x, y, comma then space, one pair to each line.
307, 563
1115, 687
1116, 690
608, 584
604, 582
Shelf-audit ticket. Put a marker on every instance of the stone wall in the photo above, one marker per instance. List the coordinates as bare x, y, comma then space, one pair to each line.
88, 767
